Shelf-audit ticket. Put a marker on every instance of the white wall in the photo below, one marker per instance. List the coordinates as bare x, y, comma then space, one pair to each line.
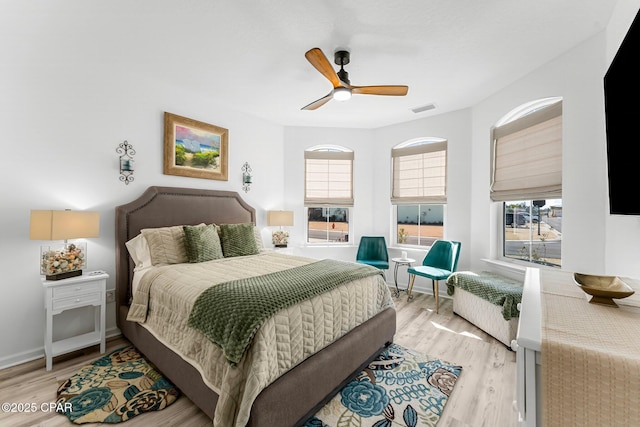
65, 115
623, 15
593, 241
371, 214
577, 77
62, 128
361, 141
455, 128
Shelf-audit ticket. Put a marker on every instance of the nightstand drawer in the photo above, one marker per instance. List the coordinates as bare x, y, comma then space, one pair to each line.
76, 301
79, 289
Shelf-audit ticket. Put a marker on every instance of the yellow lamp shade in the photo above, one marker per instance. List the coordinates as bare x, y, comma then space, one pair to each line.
280, 218
63, 225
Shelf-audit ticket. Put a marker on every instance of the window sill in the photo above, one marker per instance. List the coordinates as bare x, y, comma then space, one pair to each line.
513, 269
510, 269
328, 245
507, 264
410, 248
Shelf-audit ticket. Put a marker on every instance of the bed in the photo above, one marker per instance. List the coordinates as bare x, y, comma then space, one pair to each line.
295, 394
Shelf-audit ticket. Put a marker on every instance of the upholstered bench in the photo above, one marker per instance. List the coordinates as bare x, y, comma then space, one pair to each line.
489, 301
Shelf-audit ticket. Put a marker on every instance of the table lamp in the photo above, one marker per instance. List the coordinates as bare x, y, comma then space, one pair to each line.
280, 238
67, 261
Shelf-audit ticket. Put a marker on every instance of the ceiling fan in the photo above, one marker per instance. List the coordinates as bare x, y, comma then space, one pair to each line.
342, 87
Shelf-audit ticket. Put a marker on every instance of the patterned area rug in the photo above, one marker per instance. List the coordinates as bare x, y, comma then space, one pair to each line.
115, 388
399, 388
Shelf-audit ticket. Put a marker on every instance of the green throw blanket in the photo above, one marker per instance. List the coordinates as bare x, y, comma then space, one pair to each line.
230, 314
496, 289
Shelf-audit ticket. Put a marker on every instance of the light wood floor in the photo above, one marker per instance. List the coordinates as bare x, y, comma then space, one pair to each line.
483, 395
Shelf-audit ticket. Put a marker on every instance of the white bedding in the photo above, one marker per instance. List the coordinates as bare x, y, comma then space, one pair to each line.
137, 276
290, 336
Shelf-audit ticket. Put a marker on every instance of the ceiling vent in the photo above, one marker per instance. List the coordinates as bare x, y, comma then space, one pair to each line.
423, 108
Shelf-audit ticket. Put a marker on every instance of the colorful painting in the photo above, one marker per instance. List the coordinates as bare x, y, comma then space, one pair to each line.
194, 149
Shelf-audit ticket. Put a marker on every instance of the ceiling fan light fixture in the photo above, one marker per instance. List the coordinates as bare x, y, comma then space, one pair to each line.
342, 94
342, 88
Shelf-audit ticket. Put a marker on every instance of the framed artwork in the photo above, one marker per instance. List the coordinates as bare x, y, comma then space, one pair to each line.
195, 149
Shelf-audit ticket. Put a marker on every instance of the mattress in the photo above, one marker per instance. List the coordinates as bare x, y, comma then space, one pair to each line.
165, 295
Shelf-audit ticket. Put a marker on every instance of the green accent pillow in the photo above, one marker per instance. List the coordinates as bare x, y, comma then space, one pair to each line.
238, 240
202, 243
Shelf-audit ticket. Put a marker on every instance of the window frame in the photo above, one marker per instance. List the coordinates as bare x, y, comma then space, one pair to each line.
521, 118
502, 240
425, 146
329, 242
395, 225
329, 152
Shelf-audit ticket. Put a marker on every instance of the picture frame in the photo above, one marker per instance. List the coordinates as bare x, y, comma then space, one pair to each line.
195, 149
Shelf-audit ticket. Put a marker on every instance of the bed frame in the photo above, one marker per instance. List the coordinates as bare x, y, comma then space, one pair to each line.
292, 398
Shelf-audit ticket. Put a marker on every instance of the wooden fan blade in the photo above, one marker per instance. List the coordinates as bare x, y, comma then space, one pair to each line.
380, 90
322, 64
319, 103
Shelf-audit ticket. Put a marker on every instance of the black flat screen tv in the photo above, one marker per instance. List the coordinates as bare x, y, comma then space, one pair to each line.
622, 117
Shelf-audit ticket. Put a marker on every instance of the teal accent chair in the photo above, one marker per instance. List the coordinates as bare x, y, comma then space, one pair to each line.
372, 250
439, 263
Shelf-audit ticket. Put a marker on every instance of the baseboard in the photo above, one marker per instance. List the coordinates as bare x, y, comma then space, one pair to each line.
421, 288
20, 358
38, 353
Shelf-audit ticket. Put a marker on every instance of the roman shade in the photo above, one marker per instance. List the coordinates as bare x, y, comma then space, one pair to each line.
328, 178
526, 157
419, 173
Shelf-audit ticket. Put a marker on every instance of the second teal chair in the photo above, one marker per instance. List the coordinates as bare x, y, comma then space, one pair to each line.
438, 264
372, 250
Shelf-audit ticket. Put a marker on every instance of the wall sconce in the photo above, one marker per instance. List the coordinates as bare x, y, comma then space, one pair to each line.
246, 177
280, 238
126, 152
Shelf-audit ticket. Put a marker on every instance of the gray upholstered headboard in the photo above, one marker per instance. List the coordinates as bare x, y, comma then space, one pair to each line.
166, 206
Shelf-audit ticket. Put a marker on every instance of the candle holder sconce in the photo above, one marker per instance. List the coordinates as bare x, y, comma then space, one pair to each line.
126, 152
246, 177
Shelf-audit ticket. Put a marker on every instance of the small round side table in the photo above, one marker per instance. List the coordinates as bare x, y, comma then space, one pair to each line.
398, 262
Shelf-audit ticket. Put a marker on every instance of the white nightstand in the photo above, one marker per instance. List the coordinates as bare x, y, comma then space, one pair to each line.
288, 250
81, 291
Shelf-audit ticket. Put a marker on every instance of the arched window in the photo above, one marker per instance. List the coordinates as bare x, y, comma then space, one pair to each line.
328, 192
419, 190
526, 176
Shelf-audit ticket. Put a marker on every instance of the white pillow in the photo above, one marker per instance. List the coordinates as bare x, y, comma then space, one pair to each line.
166, 244
139, 250
258, 235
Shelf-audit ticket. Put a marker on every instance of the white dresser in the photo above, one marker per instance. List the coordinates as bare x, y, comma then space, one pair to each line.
583, 358
528, 358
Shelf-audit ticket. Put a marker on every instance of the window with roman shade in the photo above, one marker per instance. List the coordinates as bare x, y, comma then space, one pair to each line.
328, 177
419, 172
526, 156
